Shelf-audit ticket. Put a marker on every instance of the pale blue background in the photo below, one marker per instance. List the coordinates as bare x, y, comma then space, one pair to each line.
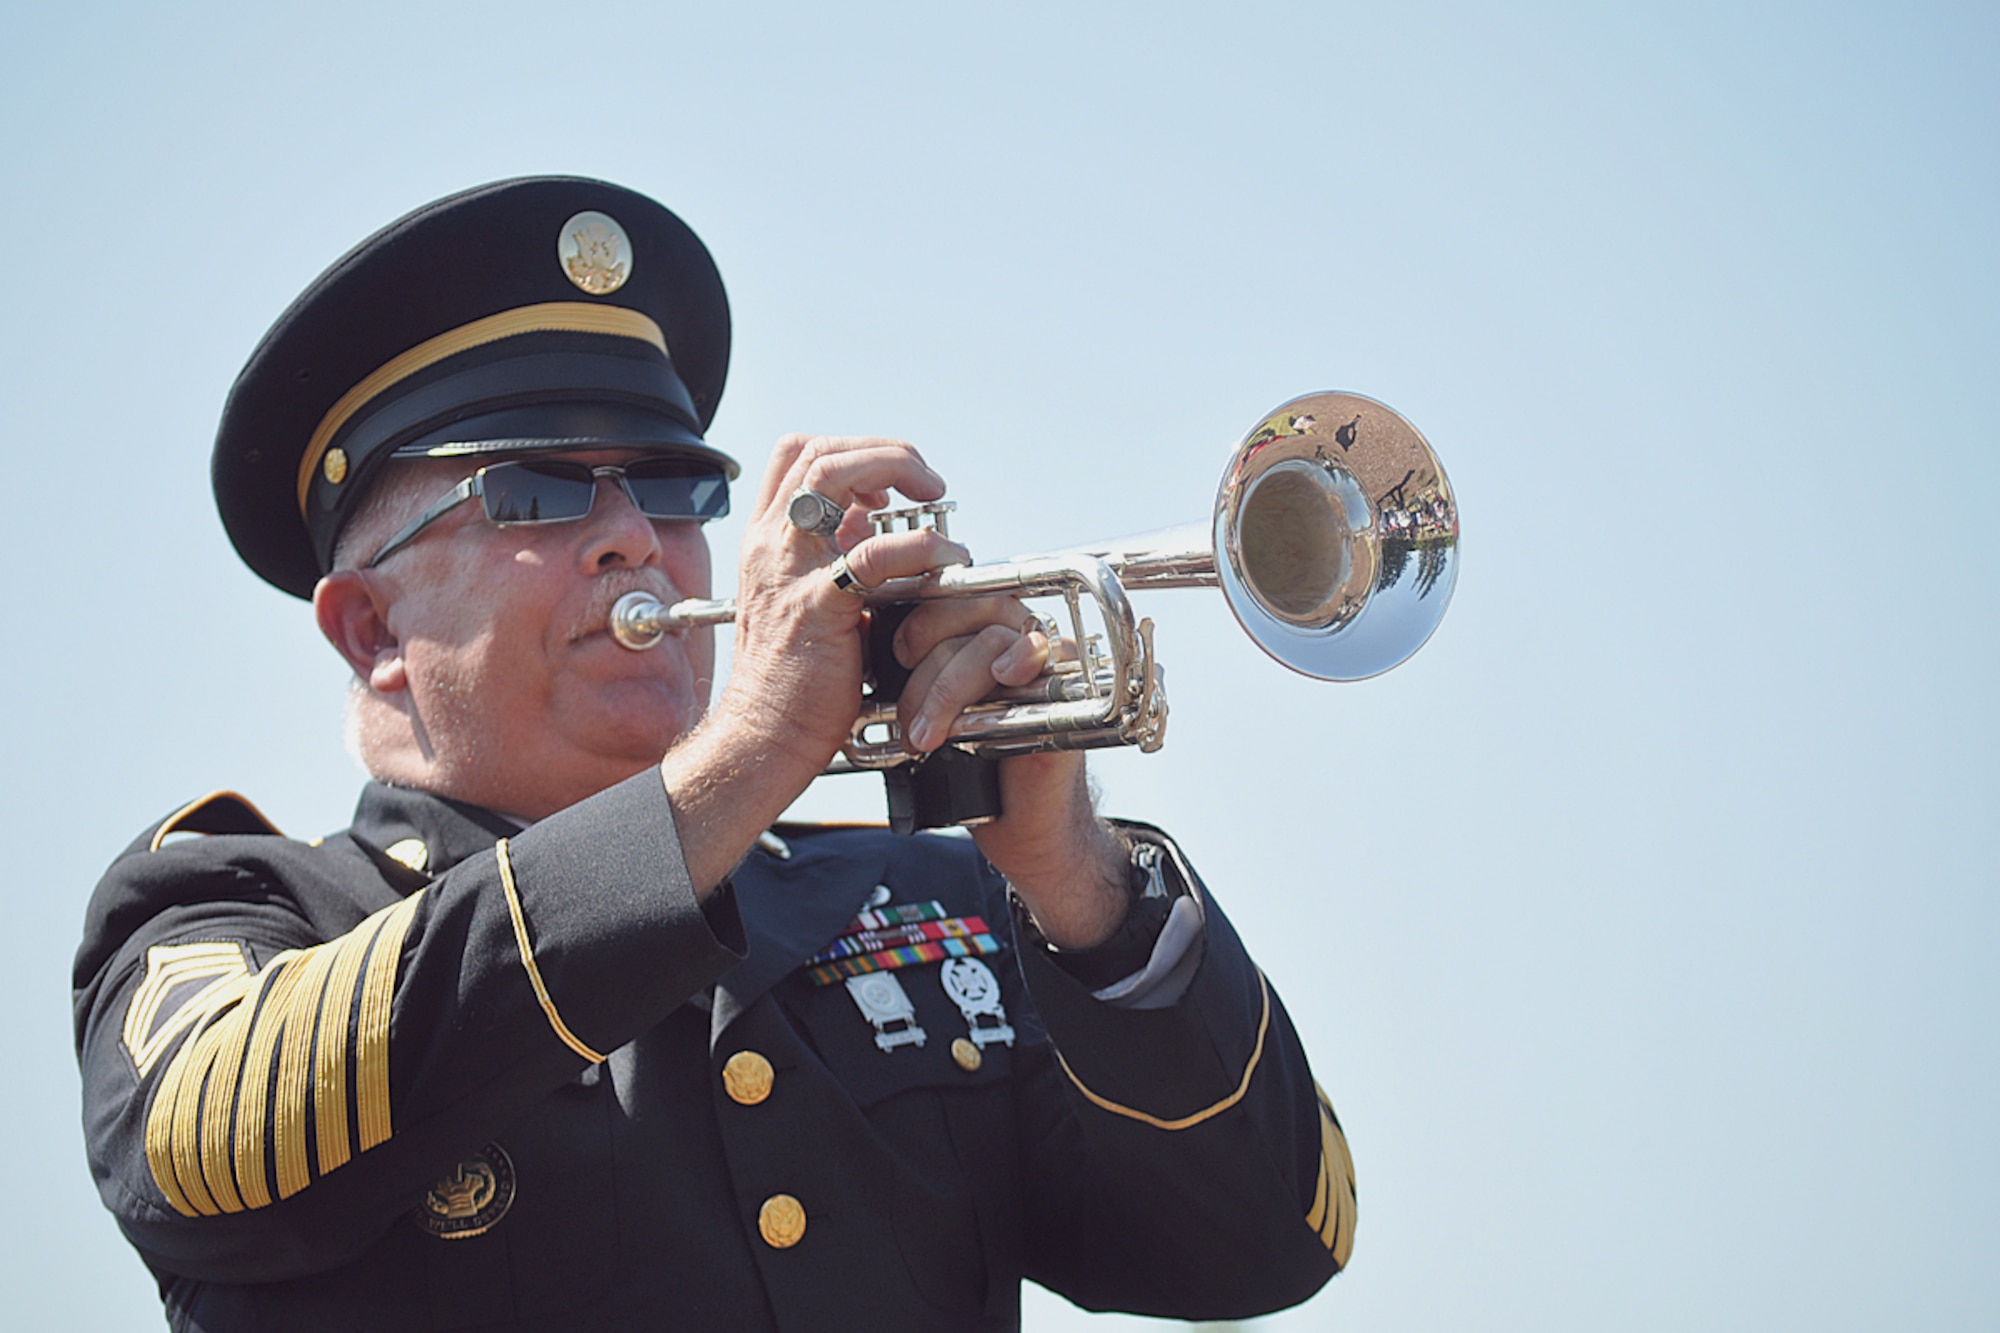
1642, 926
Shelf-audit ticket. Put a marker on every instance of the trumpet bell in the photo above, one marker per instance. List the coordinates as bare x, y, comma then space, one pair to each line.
1336, 536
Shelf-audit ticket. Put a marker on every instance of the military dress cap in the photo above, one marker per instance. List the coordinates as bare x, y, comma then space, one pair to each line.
545, 313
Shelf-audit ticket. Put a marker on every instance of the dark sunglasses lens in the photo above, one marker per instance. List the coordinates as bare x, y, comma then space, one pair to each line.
538, 492
678, 488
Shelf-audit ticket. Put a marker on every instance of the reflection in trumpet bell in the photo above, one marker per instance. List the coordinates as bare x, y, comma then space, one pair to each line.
1314, 524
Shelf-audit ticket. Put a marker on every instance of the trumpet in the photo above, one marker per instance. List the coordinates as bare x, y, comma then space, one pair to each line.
1333, 539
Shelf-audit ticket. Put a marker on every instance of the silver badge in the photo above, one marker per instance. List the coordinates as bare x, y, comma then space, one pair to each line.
976, 991
595, 253
883, 1002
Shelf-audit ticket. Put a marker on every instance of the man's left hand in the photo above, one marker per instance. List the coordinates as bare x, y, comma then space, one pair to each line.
1068, 866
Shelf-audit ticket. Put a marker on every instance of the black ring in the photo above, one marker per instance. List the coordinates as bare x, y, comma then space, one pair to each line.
843, 578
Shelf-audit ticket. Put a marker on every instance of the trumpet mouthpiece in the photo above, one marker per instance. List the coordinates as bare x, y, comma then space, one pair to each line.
637, 622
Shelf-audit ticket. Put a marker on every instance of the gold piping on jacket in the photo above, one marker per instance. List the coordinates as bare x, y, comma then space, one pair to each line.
569, 1038
1256, 1054
172, 823
1334, 1209
215, 1128
548, 317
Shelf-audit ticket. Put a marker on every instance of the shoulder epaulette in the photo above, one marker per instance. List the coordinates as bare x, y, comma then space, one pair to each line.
217, 812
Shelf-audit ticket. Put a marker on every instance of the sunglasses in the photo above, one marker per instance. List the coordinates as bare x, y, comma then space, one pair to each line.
549, 490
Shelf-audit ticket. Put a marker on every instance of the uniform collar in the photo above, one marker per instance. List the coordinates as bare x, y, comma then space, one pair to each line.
416, 834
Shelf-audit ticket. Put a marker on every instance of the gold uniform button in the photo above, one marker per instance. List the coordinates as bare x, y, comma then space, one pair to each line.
781, 1221
968, 1055
746, 1077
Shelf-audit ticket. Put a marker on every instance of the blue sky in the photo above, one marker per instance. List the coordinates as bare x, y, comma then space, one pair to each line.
1640, 926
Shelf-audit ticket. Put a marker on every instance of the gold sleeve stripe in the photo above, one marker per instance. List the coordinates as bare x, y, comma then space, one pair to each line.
550, 316
173, 1127
169, 966
330, 1051
1334, 1209
258, 1043
295, 1061
371, 1034
216, 1127
569, 1038
1184, 1122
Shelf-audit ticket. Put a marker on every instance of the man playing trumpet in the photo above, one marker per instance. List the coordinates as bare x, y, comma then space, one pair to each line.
566, 1031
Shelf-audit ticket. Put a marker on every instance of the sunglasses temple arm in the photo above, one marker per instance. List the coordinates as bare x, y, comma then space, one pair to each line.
459, 494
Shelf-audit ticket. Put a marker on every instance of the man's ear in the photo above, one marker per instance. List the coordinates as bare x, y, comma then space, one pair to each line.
353, 613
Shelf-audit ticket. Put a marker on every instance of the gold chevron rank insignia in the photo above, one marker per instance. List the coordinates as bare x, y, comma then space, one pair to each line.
179, 978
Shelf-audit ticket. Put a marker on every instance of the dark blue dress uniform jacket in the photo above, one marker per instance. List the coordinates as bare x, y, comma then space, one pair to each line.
297, 1058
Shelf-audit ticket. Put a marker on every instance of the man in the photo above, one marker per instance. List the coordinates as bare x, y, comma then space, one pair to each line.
560, 1034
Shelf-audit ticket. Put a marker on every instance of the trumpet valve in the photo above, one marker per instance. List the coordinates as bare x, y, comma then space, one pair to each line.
935, 515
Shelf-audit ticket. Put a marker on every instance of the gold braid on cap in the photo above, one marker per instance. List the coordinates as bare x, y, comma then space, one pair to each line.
548, 317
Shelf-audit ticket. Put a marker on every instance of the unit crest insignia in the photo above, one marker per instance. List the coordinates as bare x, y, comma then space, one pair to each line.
467, 1202
595, 253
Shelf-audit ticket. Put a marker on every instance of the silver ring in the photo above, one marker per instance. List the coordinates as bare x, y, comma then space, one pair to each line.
843, 578
813, 513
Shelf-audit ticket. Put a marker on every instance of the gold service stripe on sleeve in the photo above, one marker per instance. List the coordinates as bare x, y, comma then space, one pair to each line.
173, 1150
187, 1122
1336, 1228
295, 1066
214, 1125
548, 317
569, 1038
253, 1100
371, 1029
330, 1050
1316, 1215
1186, 1121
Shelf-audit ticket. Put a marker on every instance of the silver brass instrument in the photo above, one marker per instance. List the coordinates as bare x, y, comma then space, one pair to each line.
1333, 540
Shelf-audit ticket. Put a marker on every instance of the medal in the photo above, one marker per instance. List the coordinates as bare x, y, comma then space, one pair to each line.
976, 991
884, 1003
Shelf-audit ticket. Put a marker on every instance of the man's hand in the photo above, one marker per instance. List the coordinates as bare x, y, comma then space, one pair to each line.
795, 685
1068, 865
795, 689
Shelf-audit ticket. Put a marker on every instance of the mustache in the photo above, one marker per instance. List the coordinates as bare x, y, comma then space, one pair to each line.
595, 616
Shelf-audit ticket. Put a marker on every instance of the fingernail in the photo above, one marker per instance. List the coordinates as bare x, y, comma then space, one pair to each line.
920, 733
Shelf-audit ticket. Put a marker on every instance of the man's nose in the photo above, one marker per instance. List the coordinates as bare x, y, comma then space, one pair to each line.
616, 533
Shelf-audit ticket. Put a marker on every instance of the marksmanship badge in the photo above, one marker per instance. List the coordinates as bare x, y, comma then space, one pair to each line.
976, 991
595, 253
885, 1004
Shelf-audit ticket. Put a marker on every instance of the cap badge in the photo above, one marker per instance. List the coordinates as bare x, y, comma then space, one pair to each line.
334, 465
595, 253
476, 1194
